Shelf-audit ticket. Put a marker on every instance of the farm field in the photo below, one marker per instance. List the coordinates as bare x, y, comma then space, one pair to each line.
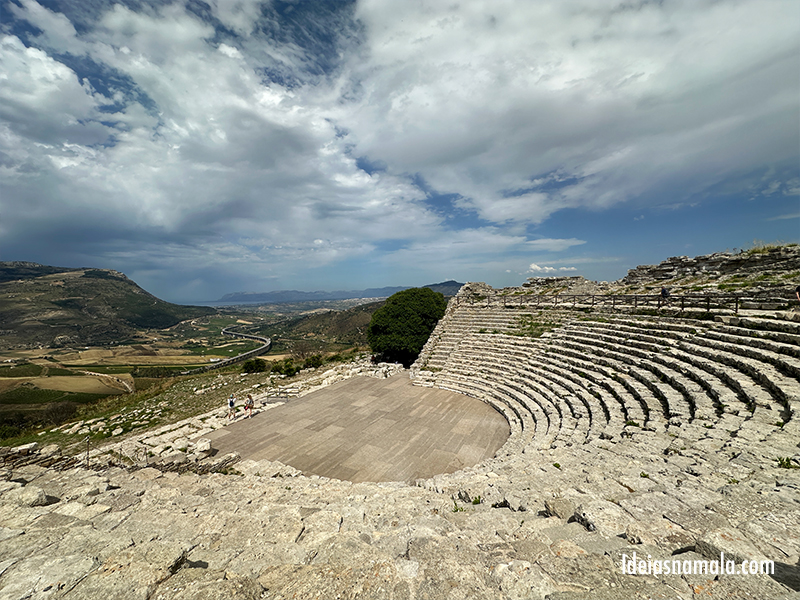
47, 386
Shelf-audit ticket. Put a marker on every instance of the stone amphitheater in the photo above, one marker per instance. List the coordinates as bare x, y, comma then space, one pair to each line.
633, 433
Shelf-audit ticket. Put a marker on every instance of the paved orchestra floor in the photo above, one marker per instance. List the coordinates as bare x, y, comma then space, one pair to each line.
366, 429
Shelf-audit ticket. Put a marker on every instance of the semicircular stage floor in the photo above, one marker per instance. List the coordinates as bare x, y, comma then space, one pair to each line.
366, 429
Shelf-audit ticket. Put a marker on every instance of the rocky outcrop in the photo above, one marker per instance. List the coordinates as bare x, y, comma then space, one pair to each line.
783, 260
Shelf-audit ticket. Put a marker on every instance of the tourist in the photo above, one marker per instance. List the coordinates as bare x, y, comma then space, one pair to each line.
665, 294
248, 405
797, 292
231, 407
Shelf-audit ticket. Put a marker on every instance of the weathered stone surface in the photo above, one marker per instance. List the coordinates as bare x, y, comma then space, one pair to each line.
559, 507
43, 577
30, 495
734, 544
201, 584
134, 572
603, 516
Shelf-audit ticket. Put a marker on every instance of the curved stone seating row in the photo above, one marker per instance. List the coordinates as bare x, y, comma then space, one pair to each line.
511, 384
757, 382
762, 415
694, 401
602, 378
649, 345
505, 363
559, 382
464, 320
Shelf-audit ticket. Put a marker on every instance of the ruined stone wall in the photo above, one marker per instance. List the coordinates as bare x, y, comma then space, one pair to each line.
783, 259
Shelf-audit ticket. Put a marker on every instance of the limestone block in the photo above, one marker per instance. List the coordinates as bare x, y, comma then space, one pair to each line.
566, 549
81, 511
44, 577
603, 516
25, 449
559, 507
520, 580
50, 450
29, 495
189, 584
132, 573
9, 485
319, 526
730, 541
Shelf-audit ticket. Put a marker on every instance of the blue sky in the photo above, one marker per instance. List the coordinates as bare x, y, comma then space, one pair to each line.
241, 145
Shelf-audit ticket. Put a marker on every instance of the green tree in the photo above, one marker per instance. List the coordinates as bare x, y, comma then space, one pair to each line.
255, 365
399, 329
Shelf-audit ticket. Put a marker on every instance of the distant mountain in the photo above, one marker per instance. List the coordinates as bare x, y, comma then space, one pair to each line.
448, 288
49, 306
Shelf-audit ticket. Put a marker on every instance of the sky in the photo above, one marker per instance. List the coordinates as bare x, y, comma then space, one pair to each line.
209, 147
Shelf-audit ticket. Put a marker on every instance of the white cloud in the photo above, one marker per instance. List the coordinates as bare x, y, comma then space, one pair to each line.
239, 15
534, 268
623, 101
42, 100
553, 244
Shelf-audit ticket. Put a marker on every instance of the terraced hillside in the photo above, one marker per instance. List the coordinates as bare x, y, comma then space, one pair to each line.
670, 438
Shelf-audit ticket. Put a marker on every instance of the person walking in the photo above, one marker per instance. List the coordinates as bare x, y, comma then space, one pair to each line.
248, 405
231, 407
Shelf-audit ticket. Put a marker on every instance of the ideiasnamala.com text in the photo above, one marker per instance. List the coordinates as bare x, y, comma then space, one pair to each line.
639, 566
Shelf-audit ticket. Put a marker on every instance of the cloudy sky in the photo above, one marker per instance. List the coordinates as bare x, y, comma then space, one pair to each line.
207, 147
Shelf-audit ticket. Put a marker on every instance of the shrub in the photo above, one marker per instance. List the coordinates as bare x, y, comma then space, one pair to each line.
286, 367
255, 365
312, 362
399, 329
59, 413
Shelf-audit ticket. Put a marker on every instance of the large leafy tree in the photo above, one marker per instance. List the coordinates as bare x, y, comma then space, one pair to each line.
399, 329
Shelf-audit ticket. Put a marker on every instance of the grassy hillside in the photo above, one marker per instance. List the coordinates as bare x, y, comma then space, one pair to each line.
52, 307
330, 331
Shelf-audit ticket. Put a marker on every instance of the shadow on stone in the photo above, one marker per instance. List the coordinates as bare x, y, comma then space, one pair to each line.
788, 575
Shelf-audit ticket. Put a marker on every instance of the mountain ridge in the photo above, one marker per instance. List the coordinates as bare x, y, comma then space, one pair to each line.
448, 288
41, 305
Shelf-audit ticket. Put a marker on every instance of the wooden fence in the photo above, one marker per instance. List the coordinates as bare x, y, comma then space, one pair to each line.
707, 302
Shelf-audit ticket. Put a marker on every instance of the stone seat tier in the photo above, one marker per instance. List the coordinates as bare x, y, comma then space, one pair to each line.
757, 421
737, 374
526, 367
615, 395
625, 370
760, 422
780, 388
507, 376
560, 392
778, 326
787, 365
558, 380
701, 403
756, 339
498, 380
